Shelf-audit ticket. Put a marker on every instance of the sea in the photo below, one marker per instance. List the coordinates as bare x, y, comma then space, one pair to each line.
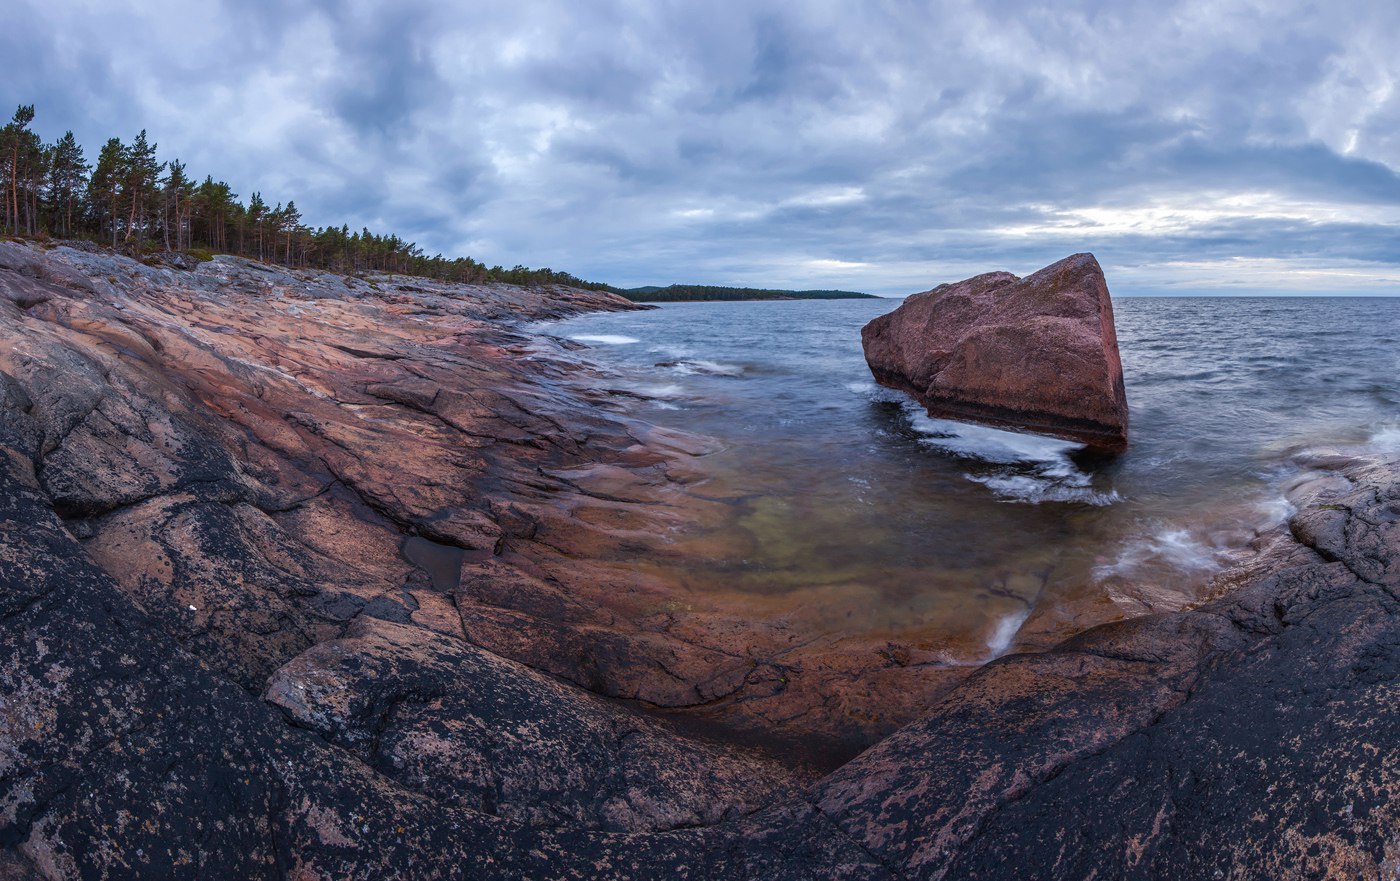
974, 541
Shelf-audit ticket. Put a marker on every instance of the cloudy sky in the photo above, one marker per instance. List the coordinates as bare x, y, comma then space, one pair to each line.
1246, 147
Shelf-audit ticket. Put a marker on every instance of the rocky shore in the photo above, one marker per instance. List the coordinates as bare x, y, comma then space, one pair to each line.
313, 577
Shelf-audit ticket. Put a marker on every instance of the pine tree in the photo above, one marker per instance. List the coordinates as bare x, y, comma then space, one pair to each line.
33, 171
213, 205
106, 187
257, 213
175, 197
67, 174
17, 144
290, 221
142, 177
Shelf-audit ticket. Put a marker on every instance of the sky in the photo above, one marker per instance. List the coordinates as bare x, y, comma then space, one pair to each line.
1194, 147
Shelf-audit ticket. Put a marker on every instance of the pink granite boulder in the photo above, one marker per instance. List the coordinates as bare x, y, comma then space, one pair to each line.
1035, 354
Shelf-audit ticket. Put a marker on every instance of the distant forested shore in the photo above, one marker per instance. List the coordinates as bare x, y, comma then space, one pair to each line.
679, 293
133, 202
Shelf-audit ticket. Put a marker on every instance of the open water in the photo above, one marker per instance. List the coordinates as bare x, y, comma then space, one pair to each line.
973, 540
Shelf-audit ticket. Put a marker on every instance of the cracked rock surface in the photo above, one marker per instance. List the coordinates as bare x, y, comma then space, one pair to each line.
312, 577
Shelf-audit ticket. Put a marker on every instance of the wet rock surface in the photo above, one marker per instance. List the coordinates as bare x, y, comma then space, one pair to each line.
311, 577
1037, 354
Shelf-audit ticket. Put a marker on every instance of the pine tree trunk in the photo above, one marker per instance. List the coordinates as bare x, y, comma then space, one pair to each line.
13, 207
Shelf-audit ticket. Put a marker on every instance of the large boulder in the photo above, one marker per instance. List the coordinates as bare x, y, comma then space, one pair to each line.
1033, 354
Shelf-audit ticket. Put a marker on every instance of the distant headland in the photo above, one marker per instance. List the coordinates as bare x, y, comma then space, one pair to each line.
682, 293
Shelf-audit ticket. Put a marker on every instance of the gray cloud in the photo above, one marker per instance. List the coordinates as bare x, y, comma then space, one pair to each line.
1231, 145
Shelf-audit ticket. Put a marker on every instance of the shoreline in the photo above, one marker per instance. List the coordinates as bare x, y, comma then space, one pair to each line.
209, 479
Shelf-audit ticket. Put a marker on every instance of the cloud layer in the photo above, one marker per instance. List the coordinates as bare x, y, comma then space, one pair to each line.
888, 146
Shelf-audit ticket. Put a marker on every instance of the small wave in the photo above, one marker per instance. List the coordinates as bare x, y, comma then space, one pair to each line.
1206, 547
992, 444
660, 392
1033, 489
1273, 511
1035, 468
607, 339
1386, 439
1173, 546
880, 395
692, 367
672, 352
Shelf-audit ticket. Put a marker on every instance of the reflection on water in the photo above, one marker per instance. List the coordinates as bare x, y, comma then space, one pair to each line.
849, 502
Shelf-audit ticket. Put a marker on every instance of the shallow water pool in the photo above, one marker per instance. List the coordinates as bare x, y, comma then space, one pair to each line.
845, 499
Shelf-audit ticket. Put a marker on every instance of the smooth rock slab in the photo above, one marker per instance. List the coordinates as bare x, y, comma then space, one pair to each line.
1036, 354
470, 729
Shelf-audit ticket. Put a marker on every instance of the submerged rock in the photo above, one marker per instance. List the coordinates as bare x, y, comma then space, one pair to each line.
1037, 354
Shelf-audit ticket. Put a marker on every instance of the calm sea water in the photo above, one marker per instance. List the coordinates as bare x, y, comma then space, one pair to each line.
972, 540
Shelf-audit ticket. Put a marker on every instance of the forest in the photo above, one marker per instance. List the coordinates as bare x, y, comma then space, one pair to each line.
132, 201
677, 293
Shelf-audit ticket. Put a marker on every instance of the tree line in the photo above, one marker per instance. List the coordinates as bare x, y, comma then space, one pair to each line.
132, 201
678, 293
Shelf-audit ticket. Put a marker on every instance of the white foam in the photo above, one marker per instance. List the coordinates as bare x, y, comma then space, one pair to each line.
1037, 468
1004, 633
1386, 439
660, 392
993, 444
1033, 489
1272, 512
606, 339
706, 368
881, 394
1172, 546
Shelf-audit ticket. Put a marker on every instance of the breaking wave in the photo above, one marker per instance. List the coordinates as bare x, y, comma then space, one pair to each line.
606, 339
